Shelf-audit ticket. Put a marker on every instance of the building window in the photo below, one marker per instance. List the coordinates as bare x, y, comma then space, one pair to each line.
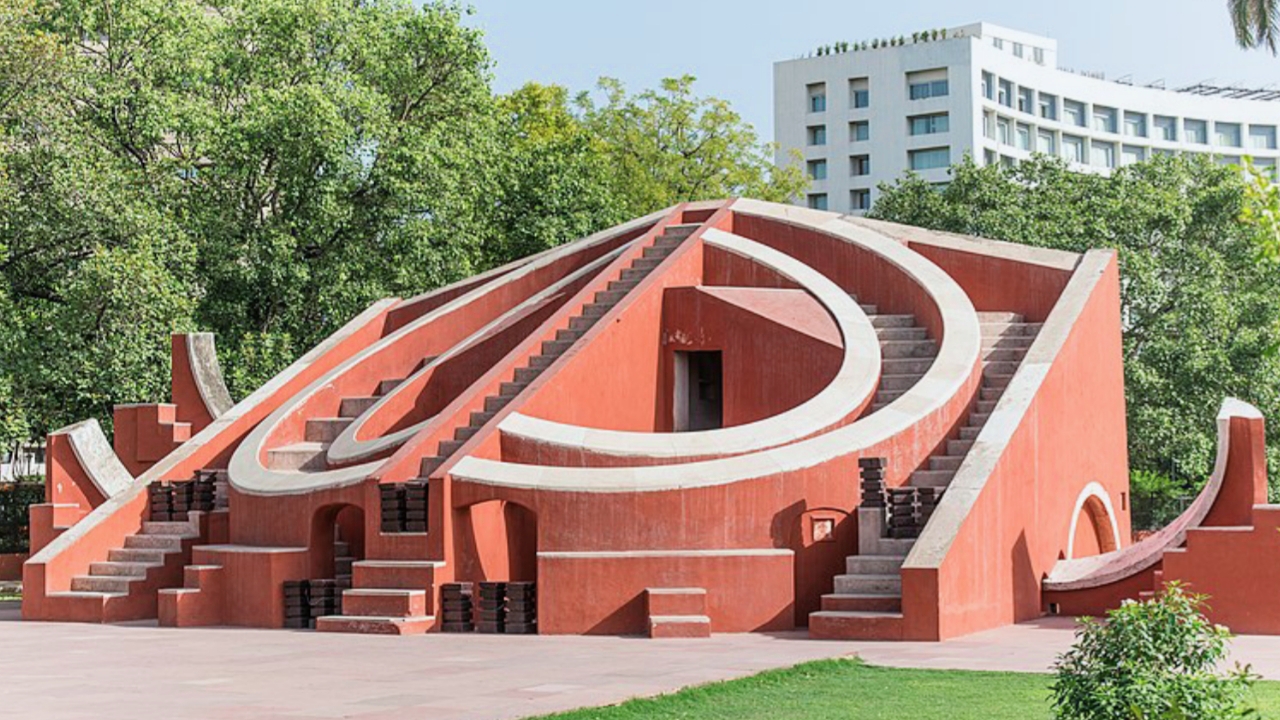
1135, 124
988, 86
817, 134
998, 43
817, 169
1104, 119
989, 125
1004, 95
1196, 131
929, 159
859, 93
859, 131
1039, 56
859, 165
1024, 137
817, 97
1073, 112
1048, 107
1073, 148
1026, 100
989, 157
818, 201
860, 199
1004, 133
1262, 137
925, 90
1228, 159
1017, 49
1228, 134
1130, 154
1166, 127
1103, 154
1045, 143
929, 124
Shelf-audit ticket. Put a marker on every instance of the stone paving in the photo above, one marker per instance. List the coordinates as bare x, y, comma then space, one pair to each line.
137, 671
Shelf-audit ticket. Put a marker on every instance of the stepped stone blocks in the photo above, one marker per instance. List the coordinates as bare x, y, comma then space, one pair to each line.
733, 415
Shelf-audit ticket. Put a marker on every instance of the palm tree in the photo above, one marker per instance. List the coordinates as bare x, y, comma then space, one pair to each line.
1256, 22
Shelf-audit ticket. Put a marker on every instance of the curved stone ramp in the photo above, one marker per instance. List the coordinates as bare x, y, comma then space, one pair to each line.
247, 470
348, 447
846, 395
955, 368
1098, 571
206, 373
94, 458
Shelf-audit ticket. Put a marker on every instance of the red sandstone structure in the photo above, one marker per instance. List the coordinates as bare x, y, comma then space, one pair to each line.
730, 416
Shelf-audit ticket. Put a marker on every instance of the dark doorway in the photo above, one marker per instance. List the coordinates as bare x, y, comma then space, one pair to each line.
699, 391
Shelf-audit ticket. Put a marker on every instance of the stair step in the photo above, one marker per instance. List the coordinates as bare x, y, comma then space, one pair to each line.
649, 262
679, 626
387, 386
465, 433
542, 362
991, 394
884, 397
394, 574
582, 323
621, 285
173, 527
898, 382
945, 462
996, 381
869, 309
374, 624
908, 348
568, 336
855, 602
959, 447
429, 464
902, 333
906, 366
298, 456
1007, 342
136, 555
449, 447
494, 403
353, 407
526, 375
996, 330
480, 419
1011, 355
555, 348
932, 478
1000, 367
869, 584
610, 297
894, 546
1000, 317
102, 583
827, 625
384, 602
893, 321
326, 429
511, 389
167, 543
122, 569
681, 230
986, 406
873, 564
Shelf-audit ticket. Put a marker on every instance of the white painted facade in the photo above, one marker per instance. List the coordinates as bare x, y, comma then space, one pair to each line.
1005, 98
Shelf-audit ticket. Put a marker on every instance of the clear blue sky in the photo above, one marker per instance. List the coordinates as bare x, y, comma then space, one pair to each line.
730, 45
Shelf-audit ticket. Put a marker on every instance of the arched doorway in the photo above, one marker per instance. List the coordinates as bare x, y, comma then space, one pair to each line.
498, 542
337, 540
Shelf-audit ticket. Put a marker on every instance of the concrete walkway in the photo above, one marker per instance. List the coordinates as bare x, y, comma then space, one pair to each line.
55, 671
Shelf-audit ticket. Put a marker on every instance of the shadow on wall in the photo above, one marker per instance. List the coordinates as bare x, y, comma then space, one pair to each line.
498, 541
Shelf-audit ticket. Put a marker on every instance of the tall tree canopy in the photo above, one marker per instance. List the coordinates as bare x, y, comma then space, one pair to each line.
266, 168
1199, 309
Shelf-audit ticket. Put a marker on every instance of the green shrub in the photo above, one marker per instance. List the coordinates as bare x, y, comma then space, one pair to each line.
1154, 660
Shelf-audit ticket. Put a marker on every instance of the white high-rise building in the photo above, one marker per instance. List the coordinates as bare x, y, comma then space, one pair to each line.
865, 116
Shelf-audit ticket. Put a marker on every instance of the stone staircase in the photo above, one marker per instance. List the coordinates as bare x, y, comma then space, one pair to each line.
867, 599
551, 350
387, 597
309, 454
124, 586
906, 353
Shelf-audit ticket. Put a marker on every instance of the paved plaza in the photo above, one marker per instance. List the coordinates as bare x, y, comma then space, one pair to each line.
57, 671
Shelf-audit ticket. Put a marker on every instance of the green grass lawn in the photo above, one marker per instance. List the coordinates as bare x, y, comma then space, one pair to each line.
849, 689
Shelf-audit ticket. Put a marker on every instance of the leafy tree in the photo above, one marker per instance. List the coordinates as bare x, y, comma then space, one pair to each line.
1256, 23
1154, 660
1199, 310
668, 145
